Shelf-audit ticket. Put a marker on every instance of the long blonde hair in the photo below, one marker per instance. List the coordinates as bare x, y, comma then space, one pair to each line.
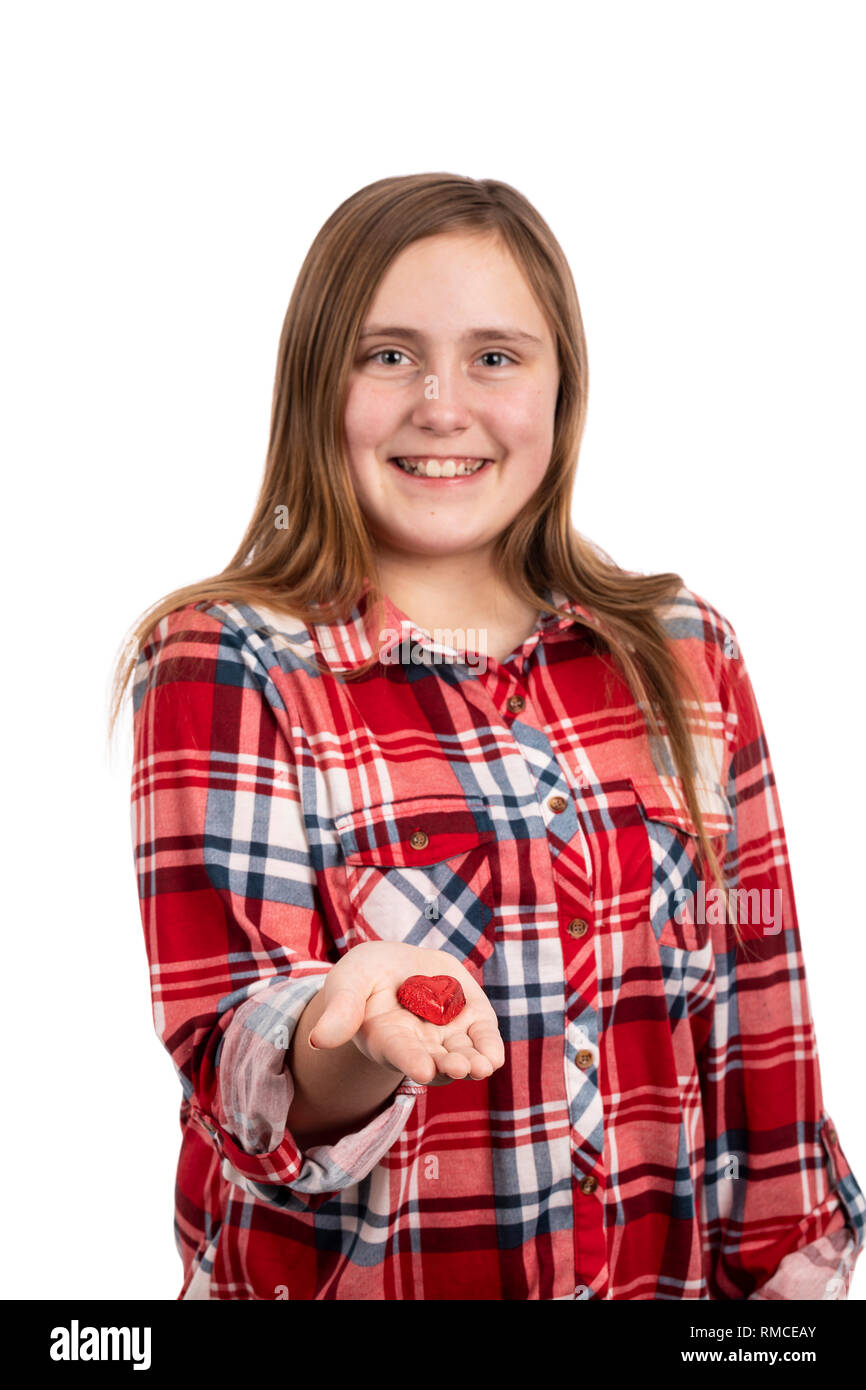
315, 569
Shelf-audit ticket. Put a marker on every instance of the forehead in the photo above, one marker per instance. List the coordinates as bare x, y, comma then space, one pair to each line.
456, 282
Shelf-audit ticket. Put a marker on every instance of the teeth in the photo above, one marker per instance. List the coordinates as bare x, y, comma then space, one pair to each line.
441, 468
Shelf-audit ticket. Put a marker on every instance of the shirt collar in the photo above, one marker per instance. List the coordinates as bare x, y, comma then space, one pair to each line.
346, 645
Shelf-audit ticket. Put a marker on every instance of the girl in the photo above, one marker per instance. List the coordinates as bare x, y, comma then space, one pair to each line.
420, 726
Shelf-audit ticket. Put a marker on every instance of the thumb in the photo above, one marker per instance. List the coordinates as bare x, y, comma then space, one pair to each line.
340, 1019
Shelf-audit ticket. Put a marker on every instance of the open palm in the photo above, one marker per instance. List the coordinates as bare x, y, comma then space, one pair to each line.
360, 998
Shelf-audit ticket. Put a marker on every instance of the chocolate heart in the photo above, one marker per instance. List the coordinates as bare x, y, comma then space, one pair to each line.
436, 998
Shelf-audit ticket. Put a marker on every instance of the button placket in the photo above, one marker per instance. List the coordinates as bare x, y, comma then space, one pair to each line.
582, 1050
558, 805
586, 1051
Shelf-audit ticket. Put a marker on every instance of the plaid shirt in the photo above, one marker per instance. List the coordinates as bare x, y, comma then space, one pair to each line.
658, 1130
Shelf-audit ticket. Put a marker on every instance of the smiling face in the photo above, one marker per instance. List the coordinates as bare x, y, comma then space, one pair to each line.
455, 364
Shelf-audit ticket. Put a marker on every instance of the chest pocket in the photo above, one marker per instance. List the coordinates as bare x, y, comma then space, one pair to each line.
677, 903
420, 871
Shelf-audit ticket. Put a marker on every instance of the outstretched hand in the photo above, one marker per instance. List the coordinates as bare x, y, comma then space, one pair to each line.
360, 1004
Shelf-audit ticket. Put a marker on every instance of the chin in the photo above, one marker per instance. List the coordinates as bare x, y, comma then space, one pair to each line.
435, 547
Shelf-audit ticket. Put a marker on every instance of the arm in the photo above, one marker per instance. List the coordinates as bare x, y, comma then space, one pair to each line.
786, 1219
366, 1042
335, 1088
234, 928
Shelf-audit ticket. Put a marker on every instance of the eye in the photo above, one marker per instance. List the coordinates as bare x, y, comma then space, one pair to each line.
494, 352
395, 352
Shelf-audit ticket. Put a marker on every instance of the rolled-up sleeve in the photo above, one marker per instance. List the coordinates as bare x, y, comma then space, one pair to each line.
820, 1270
235, 935
783, 1212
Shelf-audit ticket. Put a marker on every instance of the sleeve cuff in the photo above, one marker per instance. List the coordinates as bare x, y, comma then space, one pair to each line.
821, 1270
252, 1099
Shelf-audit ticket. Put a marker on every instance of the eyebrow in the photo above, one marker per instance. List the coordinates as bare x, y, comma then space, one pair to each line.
513, 335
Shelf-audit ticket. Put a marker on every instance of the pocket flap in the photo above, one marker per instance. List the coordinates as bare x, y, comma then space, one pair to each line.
415, 832
663, 798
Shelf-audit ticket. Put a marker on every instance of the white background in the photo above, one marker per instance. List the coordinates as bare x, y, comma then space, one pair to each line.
165, 168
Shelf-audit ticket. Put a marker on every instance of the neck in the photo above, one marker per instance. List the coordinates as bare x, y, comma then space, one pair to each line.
458, 593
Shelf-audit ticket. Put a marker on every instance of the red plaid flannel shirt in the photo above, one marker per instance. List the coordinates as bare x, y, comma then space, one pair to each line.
658, 1130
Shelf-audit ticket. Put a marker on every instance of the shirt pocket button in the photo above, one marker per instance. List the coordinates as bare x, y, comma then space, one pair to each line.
430, 887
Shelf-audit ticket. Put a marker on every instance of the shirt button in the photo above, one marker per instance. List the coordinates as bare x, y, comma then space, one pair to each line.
589, 1184
832, 1136
516, 703
557, 804
419, 840
577, 927
584, 1059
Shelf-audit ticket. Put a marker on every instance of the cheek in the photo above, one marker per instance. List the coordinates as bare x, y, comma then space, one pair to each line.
523, 481
367, 418
528, 431
525, 418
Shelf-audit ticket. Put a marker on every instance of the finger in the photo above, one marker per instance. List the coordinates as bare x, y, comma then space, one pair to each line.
452, 1063
416, 1064
487, 1040
433, 1066
340, 1019
477, 1065
400, 1049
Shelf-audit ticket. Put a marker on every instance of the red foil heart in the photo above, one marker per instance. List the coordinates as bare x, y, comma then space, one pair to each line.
436, 998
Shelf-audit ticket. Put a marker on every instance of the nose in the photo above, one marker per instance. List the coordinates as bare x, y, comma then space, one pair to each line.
442, 402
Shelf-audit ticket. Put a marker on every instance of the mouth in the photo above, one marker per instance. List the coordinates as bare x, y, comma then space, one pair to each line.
442, 470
